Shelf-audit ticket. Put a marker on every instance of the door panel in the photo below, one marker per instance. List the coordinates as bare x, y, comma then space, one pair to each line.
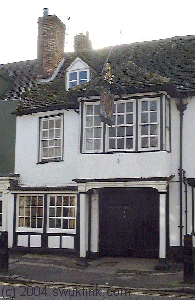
129, 222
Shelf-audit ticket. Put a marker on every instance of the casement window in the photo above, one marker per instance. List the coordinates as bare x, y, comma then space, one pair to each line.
121, 134
92, 128
77, 77
51, 138
30, 211
137, 126
149, 124
62, 213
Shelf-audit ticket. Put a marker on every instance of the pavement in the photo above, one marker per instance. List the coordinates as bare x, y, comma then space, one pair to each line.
106, 272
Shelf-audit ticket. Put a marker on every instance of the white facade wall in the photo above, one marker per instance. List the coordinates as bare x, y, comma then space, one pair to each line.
33, 173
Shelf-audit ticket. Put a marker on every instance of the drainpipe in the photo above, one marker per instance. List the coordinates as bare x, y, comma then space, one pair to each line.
181, 107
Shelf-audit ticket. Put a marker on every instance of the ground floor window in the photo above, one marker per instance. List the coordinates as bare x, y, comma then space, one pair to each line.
62, 212
30, 211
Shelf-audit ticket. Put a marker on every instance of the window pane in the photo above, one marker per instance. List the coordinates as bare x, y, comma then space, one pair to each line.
59, 201
45, 134
144, 130
144, 117
72, 76
65, 200
121, 131
58, 123
57, 152
97, 121
52, 201
129, 131
83, 75
144, 106
129, 106
89, 121
72, 83
89, 110
51, 134
97, 109
112, 131
120, 143
58, 223
129, 143
89, 133
144, 142
153, 105
120, 119
51, 143
57, 133
153, 129
52, 211
89, 144
129, 119
72, 224
45, 124
153, 117
65, 212
97, 132
97, 144
154, 142
51, 124
51, 223
120, 107
111, 143
72, 201
65, 224
51, 152
58, 212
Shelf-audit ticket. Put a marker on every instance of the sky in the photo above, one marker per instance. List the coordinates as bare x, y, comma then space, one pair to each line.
109, 22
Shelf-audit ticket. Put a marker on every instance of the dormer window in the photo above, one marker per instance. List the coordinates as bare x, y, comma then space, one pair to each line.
77, 73
77, 77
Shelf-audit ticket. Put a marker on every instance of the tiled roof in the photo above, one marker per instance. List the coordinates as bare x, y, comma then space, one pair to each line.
138, 66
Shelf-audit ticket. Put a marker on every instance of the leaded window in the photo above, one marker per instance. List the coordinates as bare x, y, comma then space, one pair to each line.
62, 212
51, 138
30, 211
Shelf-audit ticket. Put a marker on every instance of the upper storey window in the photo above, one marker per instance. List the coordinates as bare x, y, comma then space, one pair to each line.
139, 124
77, 73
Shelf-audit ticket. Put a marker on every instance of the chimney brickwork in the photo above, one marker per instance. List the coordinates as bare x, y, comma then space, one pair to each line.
51, 38
82, 42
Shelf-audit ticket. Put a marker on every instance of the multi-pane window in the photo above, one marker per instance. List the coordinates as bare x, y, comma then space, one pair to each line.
77, 77
149, 116
136, 126
93, 128
121, 133
51, 138
30, 211
62, 212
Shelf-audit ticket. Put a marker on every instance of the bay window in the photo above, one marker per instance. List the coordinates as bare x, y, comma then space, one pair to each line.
138, 125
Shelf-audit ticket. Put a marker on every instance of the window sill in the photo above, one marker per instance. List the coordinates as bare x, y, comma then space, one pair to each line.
45, 161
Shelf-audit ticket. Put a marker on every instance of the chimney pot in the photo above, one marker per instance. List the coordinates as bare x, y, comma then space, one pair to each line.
45, 12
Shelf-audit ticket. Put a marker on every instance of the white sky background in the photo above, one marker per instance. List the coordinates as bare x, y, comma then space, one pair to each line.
109, 22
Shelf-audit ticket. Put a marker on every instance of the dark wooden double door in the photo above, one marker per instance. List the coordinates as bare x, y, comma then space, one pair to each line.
129, 222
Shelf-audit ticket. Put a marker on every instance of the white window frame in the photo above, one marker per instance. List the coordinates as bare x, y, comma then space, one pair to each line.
51, 143
85, 127
77, 80
140, 124
23, 228
77, 66
125, 124
61, 230
1, 213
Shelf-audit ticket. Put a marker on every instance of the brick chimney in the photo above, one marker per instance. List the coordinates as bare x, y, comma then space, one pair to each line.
50, 48
82, 42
